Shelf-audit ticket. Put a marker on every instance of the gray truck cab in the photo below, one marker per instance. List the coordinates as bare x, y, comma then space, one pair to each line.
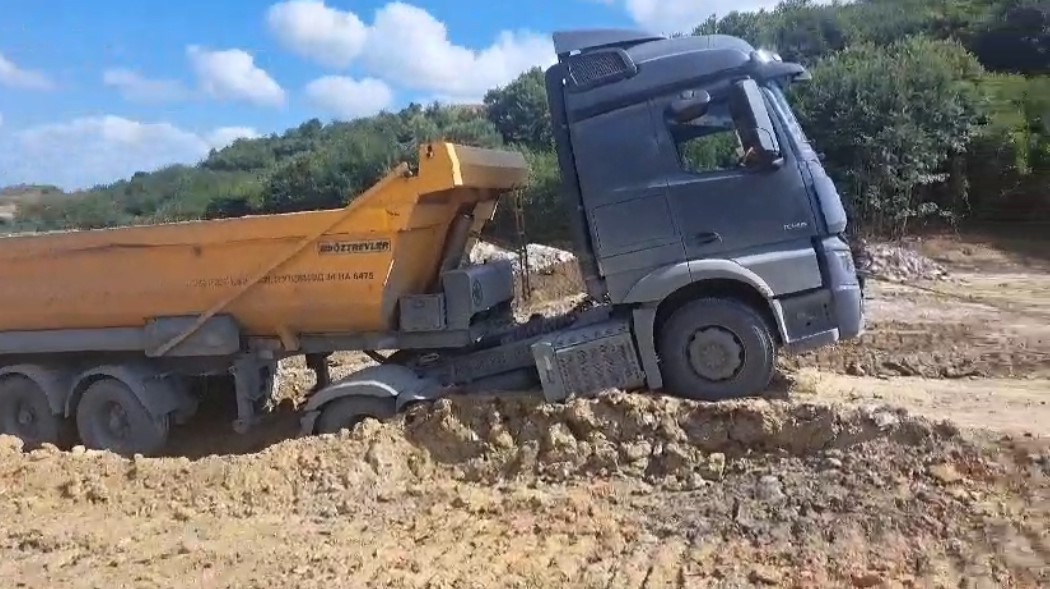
699, 207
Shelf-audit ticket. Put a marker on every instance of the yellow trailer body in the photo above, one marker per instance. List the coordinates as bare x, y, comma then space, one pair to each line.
331, 271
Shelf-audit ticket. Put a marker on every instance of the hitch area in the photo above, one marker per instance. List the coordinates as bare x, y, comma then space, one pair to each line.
563, 357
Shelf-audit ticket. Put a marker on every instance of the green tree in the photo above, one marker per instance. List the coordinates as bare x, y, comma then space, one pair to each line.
520, 112
889, 120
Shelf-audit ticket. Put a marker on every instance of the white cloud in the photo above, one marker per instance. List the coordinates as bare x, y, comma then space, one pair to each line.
413, 48
95, 150
406, 46
16, 77
224, 136
682, 16
347, 98
231, 74
138, 88
311, 29
1, 119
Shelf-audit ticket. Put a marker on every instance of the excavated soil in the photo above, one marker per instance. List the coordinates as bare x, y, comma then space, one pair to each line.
979, 325
621, 491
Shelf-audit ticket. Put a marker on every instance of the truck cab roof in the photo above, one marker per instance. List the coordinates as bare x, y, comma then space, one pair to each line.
567, 42
606, 69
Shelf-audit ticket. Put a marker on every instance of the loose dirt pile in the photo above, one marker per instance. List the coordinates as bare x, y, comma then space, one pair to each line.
621, 491
898, 263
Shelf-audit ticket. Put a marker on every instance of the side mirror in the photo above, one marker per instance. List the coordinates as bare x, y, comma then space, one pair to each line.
764, 157
753, 120
683, 110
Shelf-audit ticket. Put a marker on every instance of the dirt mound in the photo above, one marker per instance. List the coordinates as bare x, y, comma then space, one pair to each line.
660, 440
619, 491
898, 263
667, 442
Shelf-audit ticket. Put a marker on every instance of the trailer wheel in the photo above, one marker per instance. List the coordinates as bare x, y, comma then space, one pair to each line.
110, 417
346, 412
26, 414
716, 349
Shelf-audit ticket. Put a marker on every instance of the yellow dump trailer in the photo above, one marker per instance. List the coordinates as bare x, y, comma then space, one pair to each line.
106, 331
333, 271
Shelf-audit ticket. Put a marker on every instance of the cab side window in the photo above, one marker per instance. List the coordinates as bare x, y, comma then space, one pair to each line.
732, 133
709, 143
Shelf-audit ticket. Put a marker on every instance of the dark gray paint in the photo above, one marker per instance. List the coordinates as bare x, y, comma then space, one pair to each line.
582, 361
19, 343
422, 313
384, 381
785, 269
160, 395
643, 320
55, 382
476, 289
569, 41
219, 336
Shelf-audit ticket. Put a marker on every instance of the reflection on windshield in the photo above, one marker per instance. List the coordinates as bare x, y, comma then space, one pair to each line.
786, 112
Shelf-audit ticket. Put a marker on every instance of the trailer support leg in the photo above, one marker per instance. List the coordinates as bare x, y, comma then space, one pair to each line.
254, 379
319, 364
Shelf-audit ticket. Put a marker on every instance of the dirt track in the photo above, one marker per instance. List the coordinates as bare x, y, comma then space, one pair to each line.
826, 484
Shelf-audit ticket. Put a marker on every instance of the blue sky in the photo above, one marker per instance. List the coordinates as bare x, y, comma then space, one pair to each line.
92, 91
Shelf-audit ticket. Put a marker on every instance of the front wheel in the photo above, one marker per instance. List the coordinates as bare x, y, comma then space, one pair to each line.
716, 349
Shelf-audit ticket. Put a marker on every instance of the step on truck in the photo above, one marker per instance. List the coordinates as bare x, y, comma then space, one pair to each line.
708, 234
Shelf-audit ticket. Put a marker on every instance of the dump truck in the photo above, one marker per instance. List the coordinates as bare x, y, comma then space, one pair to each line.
708, 234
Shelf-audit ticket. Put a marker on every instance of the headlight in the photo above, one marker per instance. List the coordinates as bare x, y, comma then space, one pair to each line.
845, 259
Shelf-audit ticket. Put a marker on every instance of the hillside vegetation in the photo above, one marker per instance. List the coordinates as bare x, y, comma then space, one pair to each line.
925, 109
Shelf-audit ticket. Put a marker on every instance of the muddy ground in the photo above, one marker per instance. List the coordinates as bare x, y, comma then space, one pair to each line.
917, 457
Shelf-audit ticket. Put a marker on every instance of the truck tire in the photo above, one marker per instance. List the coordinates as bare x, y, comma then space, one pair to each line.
25, 413
110, 417
716, 349
346, 412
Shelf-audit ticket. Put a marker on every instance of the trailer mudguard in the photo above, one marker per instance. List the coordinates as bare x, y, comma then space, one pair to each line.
386, 380
159, 395
54, 382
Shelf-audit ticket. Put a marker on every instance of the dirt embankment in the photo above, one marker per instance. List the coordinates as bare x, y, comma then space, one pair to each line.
622, 491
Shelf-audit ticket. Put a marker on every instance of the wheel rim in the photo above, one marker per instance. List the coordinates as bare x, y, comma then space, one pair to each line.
27, 422
716, 354
115, 422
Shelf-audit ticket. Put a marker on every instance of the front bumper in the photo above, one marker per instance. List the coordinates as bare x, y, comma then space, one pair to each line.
829, 315
847, 288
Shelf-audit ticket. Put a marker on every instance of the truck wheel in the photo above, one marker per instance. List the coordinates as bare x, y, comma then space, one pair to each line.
716, 349
26, 414
110, 417
346, 412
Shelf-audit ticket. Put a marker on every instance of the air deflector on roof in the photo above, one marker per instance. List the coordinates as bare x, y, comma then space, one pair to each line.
565, 42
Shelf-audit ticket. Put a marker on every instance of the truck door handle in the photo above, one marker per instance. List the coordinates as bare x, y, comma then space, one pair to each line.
706, 237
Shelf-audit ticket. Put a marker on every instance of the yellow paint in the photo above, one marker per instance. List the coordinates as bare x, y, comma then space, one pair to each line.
122, 277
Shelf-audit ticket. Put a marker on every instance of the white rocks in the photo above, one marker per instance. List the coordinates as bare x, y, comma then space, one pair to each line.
541, 258
899, 263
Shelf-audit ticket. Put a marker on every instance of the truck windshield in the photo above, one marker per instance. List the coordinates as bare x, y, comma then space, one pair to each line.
786, 112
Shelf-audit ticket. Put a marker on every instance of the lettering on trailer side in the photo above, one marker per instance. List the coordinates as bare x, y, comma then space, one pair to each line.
300, 278
353, 247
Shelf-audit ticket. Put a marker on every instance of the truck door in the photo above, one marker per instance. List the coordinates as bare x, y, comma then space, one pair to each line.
727, 197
